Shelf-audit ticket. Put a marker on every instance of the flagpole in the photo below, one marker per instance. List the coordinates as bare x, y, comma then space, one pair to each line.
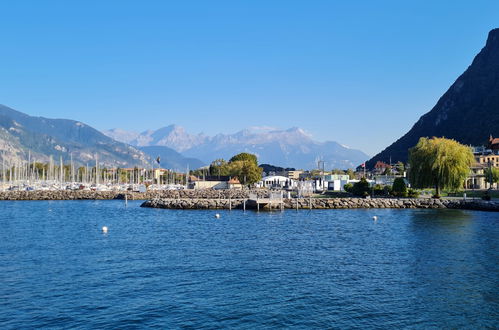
158, 160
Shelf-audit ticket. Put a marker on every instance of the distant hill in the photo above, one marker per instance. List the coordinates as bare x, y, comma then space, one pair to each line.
171, 159
21, 134
468, 112
288, 148
267, 168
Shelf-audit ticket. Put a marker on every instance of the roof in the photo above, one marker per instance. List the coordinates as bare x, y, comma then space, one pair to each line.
276, 177
493, 142
380, 164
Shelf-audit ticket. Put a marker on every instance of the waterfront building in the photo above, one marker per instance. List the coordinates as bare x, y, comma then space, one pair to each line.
381, 167
295, 175
485, 157
214, 182
332, 177
277, 182
305, 175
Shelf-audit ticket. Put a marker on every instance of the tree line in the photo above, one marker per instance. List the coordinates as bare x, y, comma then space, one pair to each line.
243, 166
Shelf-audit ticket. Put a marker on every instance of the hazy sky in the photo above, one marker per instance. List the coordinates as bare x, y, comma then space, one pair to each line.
357, 72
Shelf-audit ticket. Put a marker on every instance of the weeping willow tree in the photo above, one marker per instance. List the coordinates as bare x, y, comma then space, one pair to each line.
439, 163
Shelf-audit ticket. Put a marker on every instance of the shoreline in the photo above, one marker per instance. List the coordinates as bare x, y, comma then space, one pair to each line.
238, 199
324, 203
23, 195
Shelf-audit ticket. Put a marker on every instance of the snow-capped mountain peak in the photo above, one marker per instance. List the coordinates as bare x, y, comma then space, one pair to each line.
293, 147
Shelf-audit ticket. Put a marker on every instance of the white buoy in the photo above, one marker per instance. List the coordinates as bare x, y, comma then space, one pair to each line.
217, 216
104, 229
375, 218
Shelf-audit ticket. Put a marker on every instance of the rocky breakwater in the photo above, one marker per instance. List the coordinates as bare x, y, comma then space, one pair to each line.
324, 203
194, 203
149, 195
62, 195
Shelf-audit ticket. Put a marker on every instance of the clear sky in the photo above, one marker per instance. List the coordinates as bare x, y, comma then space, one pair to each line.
357, 72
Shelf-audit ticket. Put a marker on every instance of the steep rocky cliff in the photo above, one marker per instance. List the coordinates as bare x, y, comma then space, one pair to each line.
468, 112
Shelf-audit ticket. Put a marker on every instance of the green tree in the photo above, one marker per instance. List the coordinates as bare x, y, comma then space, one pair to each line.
244, 156
492, 175
400, 167
439, 163
246, 171
378, 190
413, 193
351, 174
361, 188
399, 189
219, 167
244, 166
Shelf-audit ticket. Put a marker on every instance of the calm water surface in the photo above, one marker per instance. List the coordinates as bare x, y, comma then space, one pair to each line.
306, 269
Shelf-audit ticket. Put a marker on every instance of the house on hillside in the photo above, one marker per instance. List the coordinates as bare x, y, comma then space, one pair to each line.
485, 157
381, 167
493, 144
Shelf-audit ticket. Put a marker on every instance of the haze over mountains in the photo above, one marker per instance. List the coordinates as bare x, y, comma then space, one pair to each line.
21, 135
288, 148
468, 112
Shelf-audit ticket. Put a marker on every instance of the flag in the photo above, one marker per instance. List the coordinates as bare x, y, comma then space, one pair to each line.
363, 165
158, 160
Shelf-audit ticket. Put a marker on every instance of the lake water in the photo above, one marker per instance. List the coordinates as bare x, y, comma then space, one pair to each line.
313, 269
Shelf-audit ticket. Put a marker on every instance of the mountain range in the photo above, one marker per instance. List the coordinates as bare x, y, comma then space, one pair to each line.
41, 138
468, 112
21, 135
288, 148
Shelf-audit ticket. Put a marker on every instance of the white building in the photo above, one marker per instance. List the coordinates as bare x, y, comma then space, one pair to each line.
277, 181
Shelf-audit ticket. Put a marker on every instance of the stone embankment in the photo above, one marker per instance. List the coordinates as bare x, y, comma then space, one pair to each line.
166, 194
235, 199
324, 203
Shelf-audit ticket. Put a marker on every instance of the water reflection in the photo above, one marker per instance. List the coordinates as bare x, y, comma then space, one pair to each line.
442, 216
450, 264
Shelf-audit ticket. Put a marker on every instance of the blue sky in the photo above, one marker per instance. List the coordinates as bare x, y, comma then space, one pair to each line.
357, 72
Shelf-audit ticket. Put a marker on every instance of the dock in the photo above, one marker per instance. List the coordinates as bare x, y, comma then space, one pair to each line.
272, 201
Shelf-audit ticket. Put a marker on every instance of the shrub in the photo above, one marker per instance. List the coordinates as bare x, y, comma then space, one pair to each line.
399, 189
348, 187
413, 193
379, 190
361, 188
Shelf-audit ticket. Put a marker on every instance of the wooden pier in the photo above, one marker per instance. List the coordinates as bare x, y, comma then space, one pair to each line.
273, 201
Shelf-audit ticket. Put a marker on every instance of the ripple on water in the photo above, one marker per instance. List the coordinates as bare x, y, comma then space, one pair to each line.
174, 268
